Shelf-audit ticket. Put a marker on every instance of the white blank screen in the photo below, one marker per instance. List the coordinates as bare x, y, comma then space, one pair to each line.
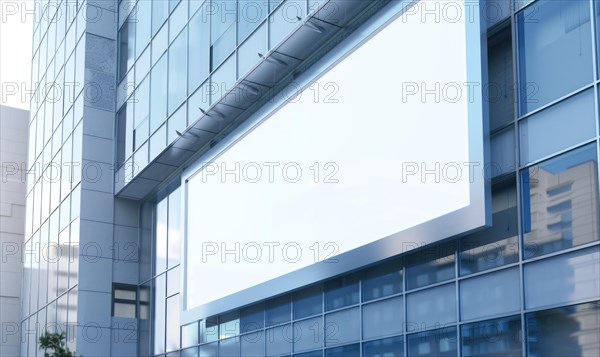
366, 136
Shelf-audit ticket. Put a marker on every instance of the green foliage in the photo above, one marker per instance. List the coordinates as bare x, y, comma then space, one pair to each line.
55, 342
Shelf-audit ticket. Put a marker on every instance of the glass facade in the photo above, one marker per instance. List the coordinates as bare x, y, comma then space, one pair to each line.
51, 253
529, 285
484, 293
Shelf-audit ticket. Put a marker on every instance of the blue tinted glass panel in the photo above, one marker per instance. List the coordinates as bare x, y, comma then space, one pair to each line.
198, 49
229, 347
503, 153
495, 246
308, 334
160, 11
431, 265
574, 277
431, 307
252, 318
560, 202
568, 123
250, 14
383, 280
501, 337
341, 292
555, 50
435, 343
223, 30
501, 87
177, 72
253, 344
383, 318
173, 331
308, 302
388, 347
158, 94
552, 333
143, 28
344, 351
342, 327
492, 294
278, 311
279, 340
177, 21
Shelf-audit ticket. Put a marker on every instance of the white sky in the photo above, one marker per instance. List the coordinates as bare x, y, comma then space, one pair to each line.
16, 31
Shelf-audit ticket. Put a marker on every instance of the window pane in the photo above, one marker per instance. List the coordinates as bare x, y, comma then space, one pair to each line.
284, 20
121, 134
567, 331
126, 47
224, 78
173, 278
250, 14
253, 344
124, 310
388, 347
495, 246
229, 325
310, 354
308, 334
125, 294
278, 311
383, 318
199, 46
431, 265
560, 202
279, 340
501, 89
490, 294
177, 122
223, 38
209, 350
555, 50
160, 11
341, 292
160, 42
247, 53
574, 277
344, 351
142, 111
159, 314
229, 347
143, 27
174, 235
382, 281
158, 94
435, 343
503, 153
431, 307
501, 337
189, 335
209, 330
308, 302
252, 318
568, 123
177, 21
173, 323
160, 252
177, 72
342, 327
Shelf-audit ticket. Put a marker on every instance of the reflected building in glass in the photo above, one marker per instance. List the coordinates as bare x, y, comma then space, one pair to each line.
149, 87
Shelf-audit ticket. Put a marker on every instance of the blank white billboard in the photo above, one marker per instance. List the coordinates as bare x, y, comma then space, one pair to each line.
384, 141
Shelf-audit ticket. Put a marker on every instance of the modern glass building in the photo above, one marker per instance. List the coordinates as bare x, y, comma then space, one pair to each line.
133, 97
